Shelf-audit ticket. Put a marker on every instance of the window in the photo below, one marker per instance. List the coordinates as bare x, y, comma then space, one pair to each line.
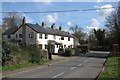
29, 36
46, 36
57, 46
62, 38
46, 46
16, 35
40, 36
54, 36
9, 36
20, 35
32, 35
40, 46
68, 38
64, 46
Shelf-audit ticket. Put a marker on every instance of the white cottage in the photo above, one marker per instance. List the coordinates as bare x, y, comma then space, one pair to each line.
30, 34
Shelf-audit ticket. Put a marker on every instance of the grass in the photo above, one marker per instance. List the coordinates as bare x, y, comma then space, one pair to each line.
111, 70
25, 65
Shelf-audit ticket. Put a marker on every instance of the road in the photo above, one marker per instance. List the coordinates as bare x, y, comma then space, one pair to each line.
88, 66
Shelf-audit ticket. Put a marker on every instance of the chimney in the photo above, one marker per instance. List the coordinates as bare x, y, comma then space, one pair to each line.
36, 23
24, 32
60, 28
24, 20
53, 26
43, 24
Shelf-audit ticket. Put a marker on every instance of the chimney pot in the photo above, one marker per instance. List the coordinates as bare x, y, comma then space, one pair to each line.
43, 24
53, 26
36, 23
60, 28
24, 20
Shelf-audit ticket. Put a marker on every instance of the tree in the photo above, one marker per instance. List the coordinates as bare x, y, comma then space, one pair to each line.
11, 19
92, 39
113, 26
100, 36
77, 32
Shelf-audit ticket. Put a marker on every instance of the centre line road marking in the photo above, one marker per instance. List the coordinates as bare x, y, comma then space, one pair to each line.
79, 65
86, 61
58, 75
73, 68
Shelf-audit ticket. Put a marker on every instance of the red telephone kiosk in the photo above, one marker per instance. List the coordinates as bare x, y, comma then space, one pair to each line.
115, 49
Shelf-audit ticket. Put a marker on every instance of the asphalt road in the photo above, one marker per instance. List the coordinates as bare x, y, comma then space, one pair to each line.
88, 66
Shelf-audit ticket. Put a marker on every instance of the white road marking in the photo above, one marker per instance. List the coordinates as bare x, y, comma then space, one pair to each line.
79, 65
86, 61
73, 68
58, 75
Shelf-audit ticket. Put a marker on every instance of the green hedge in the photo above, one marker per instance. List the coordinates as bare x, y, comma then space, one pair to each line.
15, 54
71, 52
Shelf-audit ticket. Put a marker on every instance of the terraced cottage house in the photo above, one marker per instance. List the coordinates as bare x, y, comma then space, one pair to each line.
35, 34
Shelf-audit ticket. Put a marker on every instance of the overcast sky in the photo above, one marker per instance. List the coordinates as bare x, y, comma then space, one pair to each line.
85, 19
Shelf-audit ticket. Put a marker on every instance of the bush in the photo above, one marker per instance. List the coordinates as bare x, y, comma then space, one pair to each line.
71, 52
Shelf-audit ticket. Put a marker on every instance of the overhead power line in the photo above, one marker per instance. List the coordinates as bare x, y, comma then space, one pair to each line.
57, 11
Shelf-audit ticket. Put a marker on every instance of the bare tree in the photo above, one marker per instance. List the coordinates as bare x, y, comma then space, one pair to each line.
11, 19
77, 32
113, 26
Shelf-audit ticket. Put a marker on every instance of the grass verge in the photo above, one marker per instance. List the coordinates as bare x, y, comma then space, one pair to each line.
25, 65
111, 69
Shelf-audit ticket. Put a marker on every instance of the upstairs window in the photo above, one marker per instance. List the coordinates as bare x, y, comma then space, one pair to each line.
40, 36
20, 35
62, 38
54, 36
31, 35
46, 36
16, 36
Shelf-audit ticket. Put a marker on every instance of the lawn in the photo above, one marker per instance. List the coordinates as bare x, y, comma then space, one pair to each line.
111, 70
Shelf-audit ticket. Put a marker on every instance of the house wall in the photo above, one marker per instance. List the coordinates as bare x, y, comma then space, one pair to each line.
36, 40
29, 40
44, 41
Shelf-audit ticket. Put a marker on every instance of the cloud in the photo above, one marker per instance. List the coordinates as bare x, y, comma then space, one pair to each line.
69, 23
52, 18
105, 12
94, 24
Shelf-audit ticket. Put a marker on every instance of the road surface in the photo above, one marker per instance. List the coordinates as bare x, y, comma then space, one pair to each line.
88, 66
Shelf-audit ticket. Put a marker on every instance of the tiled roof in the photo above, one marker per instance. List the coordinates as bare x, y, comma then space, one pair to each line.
10, 30
48, 30
39, 29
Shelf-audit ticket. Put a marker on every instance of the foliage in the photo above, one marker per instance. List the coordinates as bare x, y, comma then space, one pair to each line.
6, 53
11, 19
20, 55
100, 36
113, 26
71, 52
78, 33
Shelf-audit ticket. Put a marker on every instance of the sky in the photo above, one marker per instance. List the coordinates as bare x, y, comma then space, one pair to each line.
87, 20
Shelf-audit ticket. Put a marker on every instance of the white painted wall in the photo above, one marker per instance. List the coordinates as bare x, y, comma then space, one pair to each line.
44, 41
